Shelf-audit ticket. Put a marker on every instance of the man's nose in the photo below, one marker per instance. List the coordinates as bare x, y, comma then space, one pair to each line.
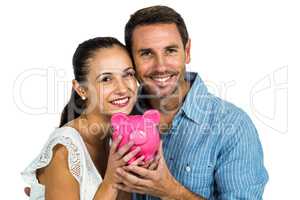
160, 63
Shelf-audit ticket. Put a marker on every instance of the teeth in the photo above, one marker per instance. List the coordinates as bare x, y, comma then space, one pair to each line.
161, 79
120, 101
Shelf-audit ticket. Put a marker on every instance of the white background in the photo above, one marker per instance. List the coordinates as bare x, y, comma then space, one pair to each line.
246, 51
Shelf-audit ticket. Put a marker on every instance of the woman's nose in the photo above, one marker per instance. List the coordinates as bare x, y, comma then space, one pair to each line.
121, 86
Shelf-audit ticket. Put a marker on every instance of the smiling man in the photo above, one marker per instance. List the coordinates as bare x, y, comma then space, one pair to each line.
211, 149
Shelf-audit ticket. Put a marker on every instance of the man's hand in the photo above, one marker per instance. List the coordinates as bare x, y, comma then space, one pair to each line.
158, 182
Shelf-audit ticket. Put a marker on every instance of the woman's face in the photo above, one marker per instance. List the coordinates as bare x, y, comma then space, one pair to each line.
112, 86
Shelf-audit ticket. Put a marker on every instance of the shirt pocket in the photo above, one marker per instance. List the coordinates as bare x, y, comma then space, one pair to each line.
196, 176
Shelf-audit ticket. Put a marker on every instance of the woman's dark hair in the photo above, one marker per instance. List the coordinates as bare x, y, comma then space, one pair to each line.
83, 53
154, 15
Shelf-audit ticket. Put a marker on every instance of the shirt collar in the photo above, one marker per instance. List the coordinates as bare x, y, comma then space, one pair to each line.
196, 103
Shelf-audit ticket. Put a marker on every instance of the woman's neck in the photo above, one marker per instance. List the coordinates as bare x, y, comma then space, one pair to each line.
94, 131
92, 128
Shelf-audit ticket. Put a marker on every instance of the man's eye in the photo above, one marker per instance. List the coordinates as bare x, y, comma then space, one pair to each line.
169, 51
146, 53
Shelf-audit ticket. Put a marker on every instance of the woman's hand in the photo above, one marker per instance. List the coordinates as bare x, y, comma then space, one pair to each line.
119, 158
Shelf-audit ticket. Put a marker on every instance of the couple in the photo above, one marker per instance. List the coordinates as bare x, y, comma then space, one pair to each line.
211, 149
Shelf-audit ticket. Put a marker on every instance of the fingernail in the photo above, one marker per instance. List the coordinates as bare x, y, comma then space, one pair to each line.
120, 137
131, 142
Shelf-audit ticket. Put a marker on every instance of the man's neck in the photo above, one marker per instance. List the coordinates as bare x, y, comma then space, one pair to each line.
170, 105
173, 102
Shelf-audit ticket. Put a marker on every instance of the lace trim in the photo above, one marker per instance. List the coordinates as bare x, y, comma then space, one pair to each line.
73, 156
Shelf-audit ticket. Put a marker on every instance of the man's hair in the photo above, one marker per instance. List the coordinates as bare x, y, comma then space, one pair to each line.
154, 15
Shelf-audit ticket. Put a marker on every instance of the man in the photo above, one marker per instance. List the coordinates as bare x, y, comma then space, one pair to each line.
211, 148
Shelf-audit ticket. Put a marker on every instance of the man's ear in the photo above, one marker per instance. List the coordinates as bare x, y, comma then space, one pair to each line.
188, 51
79, 89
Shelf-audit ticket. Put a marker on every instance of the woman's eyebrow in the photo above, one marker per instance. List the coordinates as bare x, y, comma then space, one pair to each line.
110, 73
128, 68
104, 73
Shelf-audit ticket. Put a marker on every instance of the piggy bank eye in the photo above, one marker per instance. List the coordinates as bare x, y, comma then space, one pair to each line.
139, 137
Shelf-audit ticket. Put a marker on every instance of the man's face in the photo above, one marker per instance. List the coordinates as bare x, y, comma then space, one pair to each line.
160, 58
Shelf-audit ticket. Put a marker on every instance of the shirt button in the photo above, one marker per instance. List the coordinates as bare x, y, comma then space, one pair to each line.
188, 169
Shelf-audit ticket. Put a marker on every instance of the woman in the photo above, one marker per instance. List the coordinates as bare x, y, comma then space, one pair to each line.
76, 162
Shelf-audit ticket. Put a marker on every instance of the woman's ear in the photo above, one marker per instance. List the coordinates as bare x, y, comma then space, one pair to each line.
79, 89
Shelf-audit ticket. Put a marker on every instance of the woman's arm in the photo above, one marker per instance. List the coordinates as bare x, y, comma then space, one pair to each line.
59, 183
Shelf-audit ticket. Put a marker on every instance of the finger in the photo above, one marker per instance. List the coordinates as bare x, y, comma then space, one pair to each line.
128, 189
131, 154
153, 166
130, 179
141, 172
139, 161
115, 144
148, 163
124, 149
160, 150
27, 191
157, 158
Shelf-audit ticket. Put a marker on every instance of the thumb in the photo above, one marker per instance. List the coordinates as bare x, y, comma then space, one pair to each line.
160, 150
161, 154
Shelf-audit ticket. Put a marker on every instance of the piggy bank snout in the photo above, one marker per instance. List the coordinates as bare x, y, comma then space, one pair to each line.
138, 136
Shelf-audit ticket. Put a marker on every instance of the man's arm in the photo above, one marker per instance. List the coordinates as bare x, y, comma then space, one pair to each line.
239, 171
181, 193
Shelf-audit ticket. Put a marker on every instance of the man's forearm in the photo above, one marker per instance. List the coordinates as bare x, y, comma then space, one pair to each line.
179, 192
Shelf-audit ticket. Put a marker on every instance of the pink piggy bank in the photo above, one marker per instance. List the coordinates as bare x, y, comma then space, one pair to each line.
142, 129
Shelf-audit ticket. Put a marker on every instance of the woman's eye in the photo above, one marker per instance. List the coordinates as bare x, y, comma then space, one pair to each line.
105, 79
130, 73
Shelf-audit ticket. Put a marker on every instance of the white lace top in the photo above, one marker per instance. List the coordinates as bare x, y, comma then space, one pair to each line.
80, 164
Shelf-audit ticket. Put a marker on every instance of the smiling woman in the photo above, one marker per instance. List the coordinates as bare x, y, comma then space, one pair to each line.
103, 76
76, 162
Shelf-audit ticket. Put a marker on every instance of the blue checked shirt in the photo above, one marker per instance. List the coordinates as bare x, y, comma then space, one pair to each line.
212, 148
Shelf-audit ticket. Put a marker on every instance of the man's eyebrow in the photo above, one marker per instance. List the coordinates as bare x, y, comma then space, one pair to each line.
144, 49
173, 46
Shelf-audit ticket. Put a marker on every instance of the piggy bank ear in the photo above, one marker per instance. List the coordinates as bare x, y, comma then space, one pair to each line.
153, 115
118, 119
